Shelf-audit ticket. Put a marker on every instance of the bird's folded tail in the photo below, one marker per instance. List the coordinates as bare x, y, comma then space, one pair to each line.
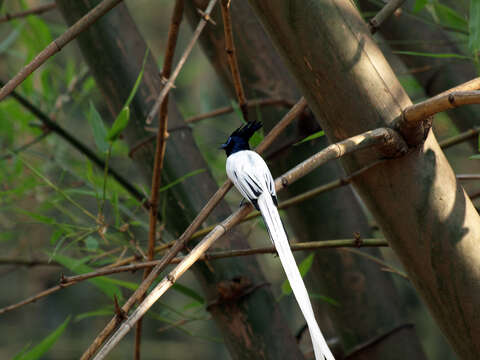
279, 238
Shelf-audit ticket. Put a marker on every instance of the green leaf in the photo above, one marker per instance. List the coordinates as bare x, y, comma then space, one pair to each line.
11, 38
138, 81
57, 234
181, 179
419, 5
119, 124
326, 299
317, 135
236, 109
433, 55
474, 27
40, 218
475, 157
44, 345
94, 313
189, 292
256, 139
98, 128
77, 266
126, 284
304, 267
91, 243
448, 16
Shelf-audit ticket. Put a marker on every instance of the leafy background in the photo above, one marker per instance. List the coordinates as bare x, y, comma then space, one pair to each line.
50, 195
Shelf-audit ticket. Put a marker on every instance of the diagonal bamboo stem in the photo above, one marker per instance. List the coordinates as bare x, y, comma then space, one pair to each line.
384, 14
296, 110
388, 141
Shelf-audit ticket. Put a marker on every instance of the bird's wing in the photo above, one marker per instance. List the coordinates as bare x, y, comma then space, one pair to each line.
249, 174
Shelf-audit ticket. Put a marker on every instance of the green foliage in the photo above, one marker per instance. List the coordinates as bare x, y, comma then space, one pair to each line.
474, 27
98, 128
78, 266
419, 5
304, 268
39, 350
434, 55
449, 17
317, 135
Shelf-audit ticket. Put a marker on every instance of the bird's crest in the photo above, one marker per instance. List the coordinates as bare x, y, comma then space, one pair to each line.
247, 130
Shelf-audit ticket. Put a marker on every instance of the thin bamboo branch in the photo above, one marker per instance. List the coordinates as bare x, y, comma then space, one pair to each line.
305, 246
169, 84
296, 110
454, 140
468, 176
64, 283
77, 144
27, 262
384, 14
25, 146
387, 139
33, 11
57, 44
232, 58
59, 102
160, 150
445, 101
250, 103
381, 262
414, 120
303, 196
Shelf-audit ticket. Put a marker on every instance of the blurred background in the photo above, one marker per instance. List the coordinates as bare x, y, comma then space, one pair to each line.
42, 235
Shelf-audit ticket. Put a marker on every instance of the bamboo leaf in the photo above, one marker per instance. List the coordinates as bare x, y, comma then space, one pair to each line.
94, 313
304, 268
119, 124
44, 345
419, 5
448, 16
98, 128
474, 27
325, 299
317, 135
181, 179
433, 55
138, 81
77, 266
189, 292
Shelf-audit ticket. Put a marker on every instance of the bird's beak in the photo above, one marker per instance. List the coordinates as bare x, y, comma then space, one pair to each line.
223, 146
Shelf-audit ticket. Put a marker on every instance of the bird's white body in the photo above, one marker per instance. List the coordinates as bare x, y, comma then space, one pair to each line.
251, 176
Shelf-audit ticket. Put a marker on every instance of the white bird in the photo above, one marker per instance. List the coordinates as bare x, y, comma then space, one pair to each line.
251, 176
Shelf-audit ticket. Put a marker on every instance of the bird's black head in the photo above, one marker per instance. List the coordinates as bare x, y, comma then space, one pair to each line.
239, 139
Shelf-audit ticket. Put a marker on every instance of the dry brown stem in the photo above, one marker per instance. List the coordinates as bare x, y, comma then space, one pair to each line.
170, 82
384, 14
382, 137
160, 150
250, 103
232, 58
194, 225
33, 11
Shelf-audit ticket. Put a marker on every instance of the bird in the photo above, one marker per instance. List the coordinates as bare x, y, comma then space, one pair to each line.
251, 176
